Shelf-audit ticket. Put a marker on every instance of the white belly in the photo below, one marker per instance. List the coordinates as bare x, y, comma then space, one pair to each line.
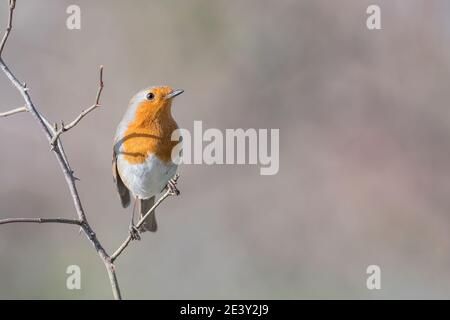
147, 179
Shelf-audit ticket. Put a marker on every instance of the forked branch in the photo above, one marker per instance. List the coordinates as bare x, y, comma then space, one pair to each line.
83, 113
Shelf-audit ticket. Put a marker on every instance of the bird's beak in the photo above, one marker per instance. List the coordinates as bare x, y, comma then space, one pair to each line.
174, 93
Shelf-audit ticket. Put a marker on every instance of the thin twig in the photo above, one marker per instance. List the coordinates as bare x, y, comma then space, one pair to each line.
65, 128
13, 111
50, 127
40, 220
12, 5
127, 241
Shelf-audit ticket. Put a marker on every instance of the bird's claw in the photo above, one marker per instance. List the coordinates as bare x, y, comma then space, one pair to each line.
134, 233
172, 186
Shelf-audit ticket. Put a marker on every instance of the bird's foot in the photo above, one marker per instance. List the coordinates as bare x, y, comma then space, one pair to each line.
134, 233
172, 186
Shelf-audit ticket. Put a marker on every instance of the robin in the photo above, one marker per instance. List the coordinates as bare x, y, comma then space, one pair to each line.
142, 165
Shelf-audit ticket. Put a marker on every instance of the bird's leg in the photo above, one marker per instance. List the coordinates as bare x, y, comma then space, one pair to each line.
134, 232
172, 185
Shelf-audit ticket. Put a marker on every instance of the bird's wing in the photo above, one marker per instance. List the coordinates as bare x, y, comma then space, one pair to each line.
123, 191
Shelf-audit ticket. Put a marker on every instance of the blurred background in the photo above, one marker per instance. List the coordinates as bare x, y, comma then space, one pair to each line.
364, 148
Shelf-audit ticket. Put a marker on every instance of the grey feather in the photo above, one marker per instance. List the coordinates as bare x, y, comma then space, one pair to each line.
149, 223
123, 191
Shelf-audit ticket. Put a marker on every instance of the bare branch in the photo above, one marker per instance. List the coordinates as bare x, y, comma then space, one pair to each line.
62, 160
40, 220
127, 241
169, 192
13, 111
12, 5
65, 128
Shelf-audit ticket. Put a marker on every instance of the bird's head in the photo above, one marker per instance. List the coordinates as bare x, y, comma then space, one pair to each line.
154, 101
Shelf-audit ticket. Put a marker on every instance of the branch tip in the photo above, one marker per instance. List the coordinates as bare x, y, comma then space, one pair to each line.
83, 113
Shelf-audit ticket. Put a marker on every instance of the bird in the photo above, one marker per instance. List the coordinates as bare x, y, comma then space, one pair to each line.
142, 165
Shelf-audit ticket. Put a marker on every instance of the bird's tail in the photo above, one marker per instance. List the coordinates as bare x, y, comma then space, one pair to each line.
149, 223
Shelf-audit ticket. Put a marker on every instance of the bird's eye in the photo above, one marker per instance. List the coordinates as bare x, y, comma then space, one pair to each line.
150, 96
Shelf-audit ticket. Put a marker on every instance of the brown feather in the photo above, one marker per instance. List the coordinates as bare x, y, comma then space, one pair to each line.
123, 191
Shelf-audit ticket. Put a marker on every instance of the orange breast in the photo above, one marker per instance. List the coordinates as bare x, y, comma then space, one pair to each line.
149, 133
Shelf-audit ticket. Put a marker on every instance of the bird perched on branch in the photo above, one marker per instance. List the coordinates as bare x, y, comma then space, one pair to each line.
142, 164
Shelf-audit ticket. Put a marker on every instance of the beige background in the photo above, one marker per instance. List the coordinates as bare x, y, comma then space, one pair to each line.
364, 124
